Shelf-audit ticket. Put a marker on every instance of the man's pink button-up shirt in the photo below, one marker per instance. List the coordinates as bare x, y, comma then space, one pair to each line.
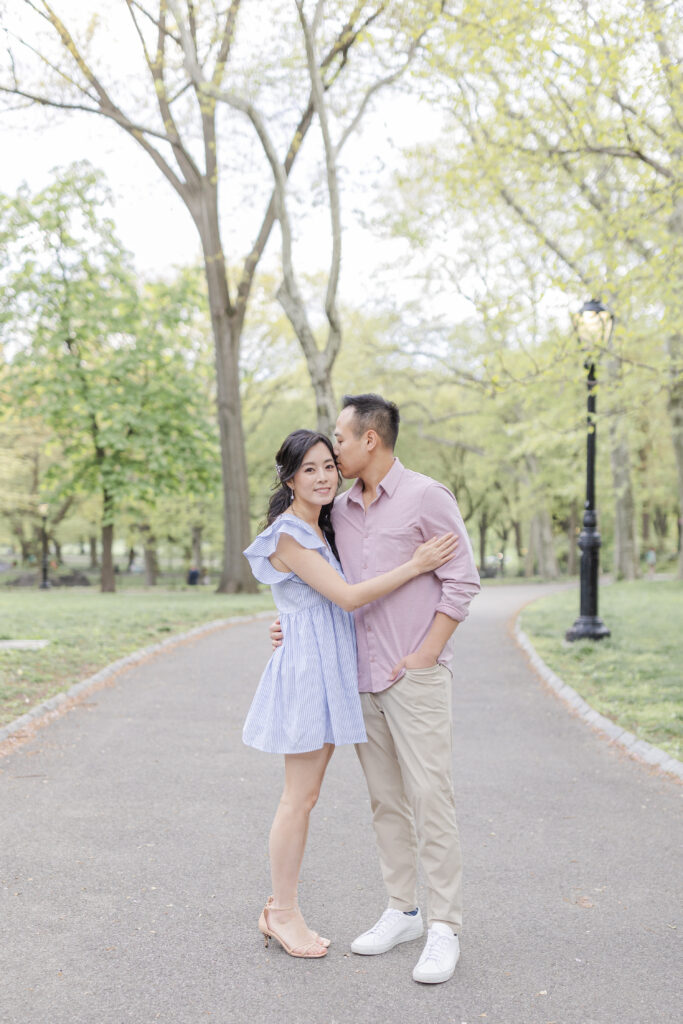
409, 509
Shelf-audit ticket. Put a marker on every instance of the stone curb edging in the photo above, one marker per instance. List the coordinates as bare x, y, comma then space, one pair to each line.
638, 749
106, 673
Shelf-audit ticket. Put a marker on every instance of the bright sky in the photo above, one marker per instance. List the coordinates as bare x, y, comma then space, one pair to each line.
152, 221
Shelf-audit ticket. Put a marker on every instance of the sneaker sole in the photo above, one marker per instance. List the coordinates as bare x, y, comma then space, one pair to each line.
407, 937
435, 979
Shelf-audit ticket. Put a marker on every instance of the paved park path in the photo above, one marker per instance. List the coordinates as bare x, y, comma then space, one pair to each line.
133, 859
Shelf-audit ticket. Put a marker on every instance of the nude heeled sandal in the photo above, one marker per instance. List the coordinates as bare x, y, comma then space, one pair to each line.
303, 952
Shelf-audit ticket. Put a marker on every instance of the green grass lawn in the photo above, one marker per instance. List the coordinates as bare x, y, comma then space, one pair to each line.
87, 630
635, 677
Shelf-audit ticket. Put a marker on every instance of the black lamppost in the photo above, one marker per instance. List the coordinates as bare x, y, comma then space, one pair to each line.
593, 324
45, 583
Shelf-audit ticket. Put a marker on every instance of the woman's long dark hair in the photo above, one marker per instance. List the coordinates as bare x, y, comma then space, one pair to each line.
287, 462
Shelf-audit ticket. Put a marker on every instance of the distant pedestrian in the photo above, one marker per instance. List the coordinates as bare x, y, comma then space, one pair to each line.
651, 560
307, 701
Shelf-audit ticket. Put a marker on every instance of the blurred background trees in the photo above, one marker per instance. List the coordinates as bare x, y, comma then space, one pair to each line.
552, 175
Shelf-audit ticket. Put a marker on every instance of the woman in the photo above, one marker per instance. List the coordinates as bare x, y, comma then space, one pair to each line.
307, 700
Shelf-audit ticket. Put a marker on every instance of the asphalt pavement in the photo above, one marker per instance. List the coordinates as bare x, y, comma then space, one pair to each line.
133, 858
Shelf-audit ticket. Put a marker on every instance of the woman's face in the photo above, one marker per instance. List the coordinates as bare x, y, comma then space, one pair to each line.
316, 479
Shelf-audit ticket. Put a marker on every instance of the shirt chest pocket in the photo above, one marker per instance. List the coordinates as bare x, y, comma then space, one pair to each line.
394, 547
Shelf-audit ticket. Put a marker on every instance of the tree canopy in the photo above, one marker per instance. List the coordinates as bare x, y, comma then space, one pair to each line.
554, 177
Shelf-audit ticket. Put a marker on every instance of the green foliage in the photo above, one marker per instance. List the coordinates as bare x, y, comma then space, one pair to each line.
556, 178
116, 371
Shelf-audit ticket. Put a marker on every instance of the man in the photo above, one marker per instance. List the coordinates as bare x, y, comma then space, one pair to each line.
404, 647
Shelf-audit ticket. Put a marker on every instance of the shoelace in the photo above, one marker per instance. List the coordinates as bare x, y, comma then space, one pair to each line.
381, 926
437, 946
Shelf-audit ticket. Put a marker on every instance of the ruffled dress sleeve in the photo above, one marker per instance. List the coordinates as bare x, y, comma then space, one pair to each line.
259, 552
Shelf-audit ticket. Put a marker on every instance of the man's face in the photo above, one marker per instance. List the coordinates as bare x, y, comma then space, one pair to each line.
351, 451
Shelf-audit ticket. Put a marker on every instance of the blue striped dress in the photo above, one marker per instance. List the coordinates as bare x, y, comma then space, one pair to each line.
308, 693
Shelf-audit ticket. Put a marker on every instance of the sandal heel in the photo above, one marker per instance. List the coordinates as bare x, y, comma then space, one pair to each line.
308, 952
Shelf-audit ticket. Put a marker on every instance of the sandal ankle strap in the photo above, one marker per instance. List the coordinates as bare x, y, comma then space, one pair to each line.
270, 904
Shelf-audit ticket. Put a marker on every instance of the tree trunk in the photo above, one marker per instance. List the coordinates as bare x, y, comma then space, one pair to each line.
530, 556
547, 558
131, 558
326, 408
503, 533
236, 575
625, 542
625, 548
675, 404
107, 577
541, 548
517, 527
325, 402
94, 564
37, 546
676, 414
483, 528
197, 559
151, 560
319, 362
645, 527
25, 544
58, 551
573, 534
661, 522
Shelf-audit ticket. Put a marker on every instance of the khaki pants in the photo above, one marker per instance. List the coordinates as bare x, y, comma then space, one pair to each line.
407, 764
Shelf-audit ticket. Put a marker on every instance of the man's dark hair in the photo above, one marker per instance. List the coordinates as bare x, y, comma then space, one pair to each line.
372, 412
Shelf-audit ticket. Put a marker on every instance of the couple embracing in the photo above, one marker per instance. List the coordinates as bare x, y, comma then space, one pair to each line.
370, 586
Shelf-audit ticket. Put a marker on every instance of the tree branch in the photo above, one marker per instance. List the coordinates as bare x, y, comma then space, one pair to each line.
153, 20
132, 6
107, 108
381, 84
185, 161
669, 63
334, 337
226, 43
623, 152
60, 72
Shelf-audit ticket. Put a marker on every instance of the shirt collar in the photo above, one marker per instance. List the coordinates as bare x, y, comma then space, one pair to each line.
388, 483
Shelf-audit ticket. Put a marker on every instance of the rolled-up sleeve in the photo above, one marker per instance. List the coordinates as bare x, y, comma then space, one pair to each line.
439, 513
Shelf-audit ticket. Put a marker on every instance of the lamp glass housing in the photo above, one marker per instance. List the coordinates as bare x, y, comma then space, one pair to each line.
593, 325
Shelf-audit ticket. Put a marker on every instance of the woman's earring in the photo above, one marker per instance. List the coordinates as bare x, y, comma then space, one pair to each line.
291, 494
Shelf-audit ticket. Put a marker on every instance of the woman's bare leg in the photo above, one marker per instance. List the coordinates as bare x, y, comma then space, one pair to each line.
304, 774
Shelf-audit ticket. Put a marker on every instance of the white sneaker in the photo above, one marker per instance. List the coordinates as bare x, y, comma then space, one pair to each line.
439, 956
393, 927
